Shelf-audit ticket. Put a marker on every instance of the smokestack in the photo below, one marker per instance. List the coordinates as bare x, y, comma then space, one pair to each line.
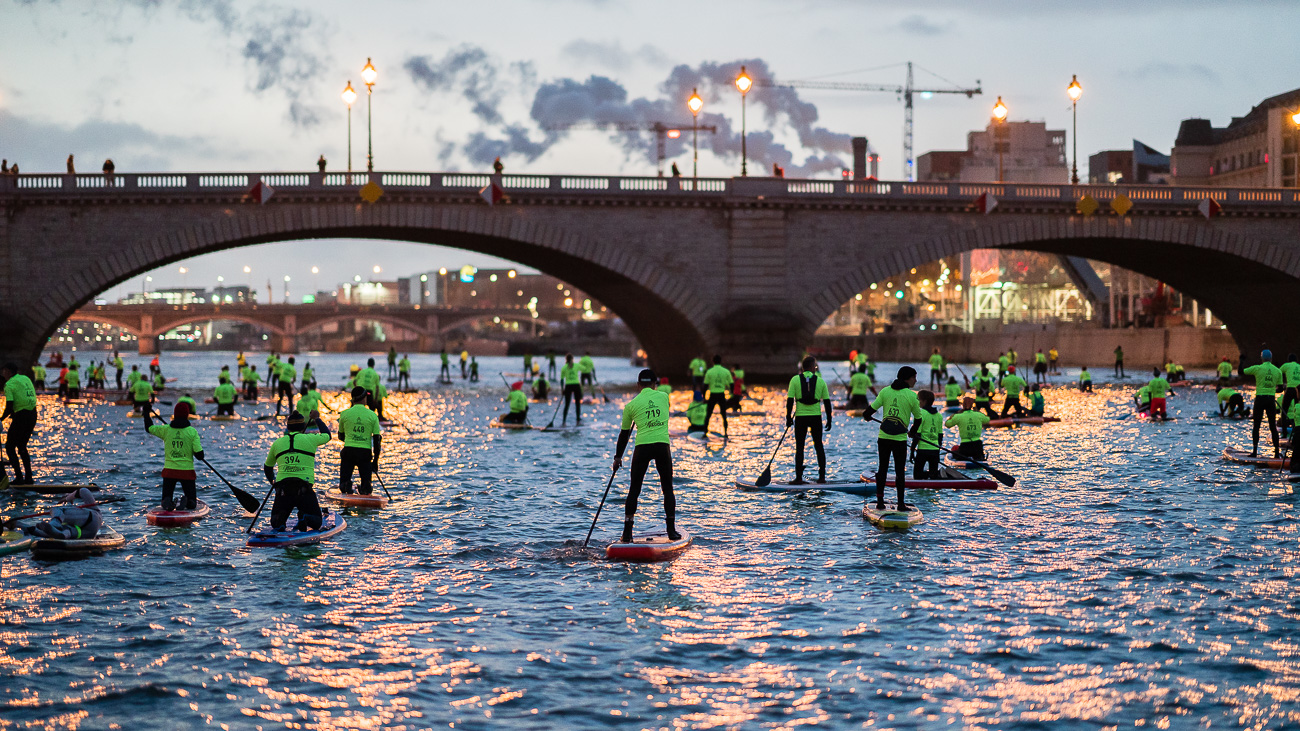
859, 158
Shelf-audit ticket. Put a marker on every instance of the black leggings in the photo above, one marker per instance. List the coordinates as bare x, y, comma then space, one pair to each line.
350, 458
20, 432
226, 409
662, 456
1264, 405
291, 494
925, 464
572, 391
720, 400
803, 425
1012, 402
897, 450
169, 489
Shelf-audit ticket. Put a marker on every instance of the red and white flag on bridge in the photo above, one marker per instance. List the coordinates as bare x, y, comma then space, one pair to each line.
260, 192
1209, 208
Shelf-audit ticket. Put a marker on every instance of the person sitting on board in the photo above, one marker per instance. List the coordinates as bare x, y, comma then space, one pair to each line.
952, 392
541, 388
404, 372
571, 378
648, 413
309, 400
73, 522
695, 415
1013, 384
927, 439
1267, 378
984, 384
808, 388
1143, 399
898, 405
1037, 404
718, 380
518, 405
290, 467
970, 425
359, 431
1233, 406
20, 406
1085, 380
859, 387
1225, 372
1158, 387
225, 396
181, 445
189, 401
665, 386
141, 394
159, 383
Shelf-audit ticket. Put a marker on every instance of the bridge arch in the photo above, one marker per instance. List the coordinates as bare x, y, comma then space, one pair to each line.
1236, 277
658, 308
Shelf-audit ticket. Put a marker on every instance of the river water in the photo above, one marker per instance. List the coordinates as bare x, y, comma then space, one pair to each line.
1129, 579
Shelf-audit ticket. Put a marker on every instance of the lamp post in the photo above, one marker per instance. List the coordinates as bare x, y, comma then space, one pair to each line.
286, 289
185, 285
743, 83
1000, 120
349, 96
368, 75
695, 104
1075, 91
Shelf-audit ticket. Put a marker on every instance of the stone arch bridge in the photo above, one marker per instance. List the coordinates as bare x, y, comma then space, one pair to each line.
286, 321
748, 267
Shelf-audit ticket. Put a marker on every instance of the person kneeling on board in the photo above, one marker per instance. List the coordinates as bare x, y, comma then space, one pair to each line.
648, 412
225, 396
290, 467
181, 445
1232, 405
898, 404
1143, 399
970, 430
808, 388
75, 522
695, 413
1085, 380
984, 385
541, 388
859, 387
927, 438
359, 430
952, 392
1037, 403
518, 405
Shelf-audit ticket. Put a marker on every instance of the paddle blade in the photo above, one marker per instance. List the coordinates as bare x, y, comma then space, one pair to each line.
764, 479
247, 501
1000, 476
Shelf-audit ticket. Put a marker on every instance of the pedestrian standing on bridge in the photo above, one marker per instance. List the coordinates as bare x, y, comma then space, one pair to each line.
72, 169
320, 164
109, 167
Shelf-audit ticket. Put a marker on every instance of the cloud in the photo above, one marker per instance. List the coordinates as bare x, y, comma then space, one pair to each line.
918, 25
44, 146
612, 55
1160, 69
279, 48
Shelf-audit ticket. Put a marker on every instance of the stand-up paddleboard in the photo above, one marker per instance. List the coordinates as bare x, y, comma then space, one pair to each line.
730, 414
1020, 420
563, 427
407, 390
333, 525
952, 480
135, 414
892, 519
357, 500
176, 518
649, 547
55, 549
15, 541
856, 487
54, 488
1242, 456
124, 402
502, 425
539, 401
226, 417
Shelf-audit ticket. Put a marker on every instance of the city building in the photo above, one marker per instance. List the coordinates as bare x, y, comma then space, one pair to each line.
1142, 165
1013, 152
1259, 150
187, 295
367, 293
473, 287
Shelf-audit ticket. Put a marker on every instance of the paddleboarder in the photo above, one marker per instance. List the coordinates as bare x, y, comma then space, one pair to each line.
970, 425
286, 374
718, 381
392, 361
1290, 381
571, 379
1119, 362
648, 414
309, 400
1037, 403
76, 522
141, 394
541, 388
952, 393
38, 377
587, 369
1267, 377
927, 438
359, 430
290, 467
20, 409
1085, 380
1003, 364
181, 445
859, 387
695, 414
806, 391
1225, 372
1157, 387
308, 376
697, 368
225, 397
119, 365
1013, 385
368, 378
1231, 403
444, 373
251, 379
898, 405
984, 384
404, 372
937, 371
518, 405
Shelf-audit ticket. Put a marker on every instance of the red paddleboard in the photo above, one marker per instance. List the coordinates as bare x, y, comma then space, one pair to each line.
647, 548
1014, 420
177, 518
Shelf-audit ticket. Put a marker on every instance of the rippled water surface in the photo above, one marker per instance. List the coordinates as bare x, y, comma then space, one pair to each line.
1131, 578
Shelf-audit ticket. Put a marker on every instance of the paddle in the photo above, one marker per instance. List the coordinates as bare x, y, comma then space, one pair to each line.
558, 403
996, 474
602, 388
599, 507
259, 509
765, 479
247, 501
963, 374
107, 499
381, 482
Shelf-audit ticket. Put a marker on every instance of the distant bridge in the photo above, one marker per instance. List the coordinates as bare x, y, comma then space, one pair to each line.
746, 267
287, 321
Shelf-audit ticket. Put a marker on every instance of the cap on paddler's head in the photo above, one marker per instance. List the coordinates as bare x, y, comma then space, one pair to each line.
1266, 355
358, 395
906, 372
297, 422
647, 378
968, 403
516, 385
355, 368
182, 411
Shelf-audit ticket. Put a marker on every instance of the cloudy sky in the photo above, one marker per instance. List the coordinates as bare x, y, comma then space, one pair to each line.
232, 85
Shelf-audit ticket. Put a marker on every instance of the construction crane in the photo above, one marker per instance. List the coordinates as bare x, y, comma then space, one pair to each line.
906, 91
663, 132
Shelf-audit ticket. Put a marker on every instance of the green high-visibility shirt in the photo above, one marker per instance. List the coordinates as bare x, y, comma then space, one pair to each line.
141, 390
404, 365
1144, 395
936, 361
569, 375
648, 412
20, 393
368, 378
224, 394
159, 381
1227, 393
1003, 362
696, 412
930, 429
308, 375
1158, 387
1225, 370
820, 393
1267, 377
897, 406
294, 455
1013, 384
859, 384
357, 424
970, 425
718, 379
73, 379
585, 365
518, 402
665, 388
287, 373
983, 386
1291, 372
179, 446
953, 391
697, 367
1085, 376
308, 402
118, 363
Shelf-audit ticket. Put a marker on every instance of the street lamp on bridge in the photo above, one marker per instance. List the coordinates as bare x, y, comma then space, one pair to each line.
349, 96
286, 289
1075, 91
368, 75
695, 104
743, 83
999, 120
